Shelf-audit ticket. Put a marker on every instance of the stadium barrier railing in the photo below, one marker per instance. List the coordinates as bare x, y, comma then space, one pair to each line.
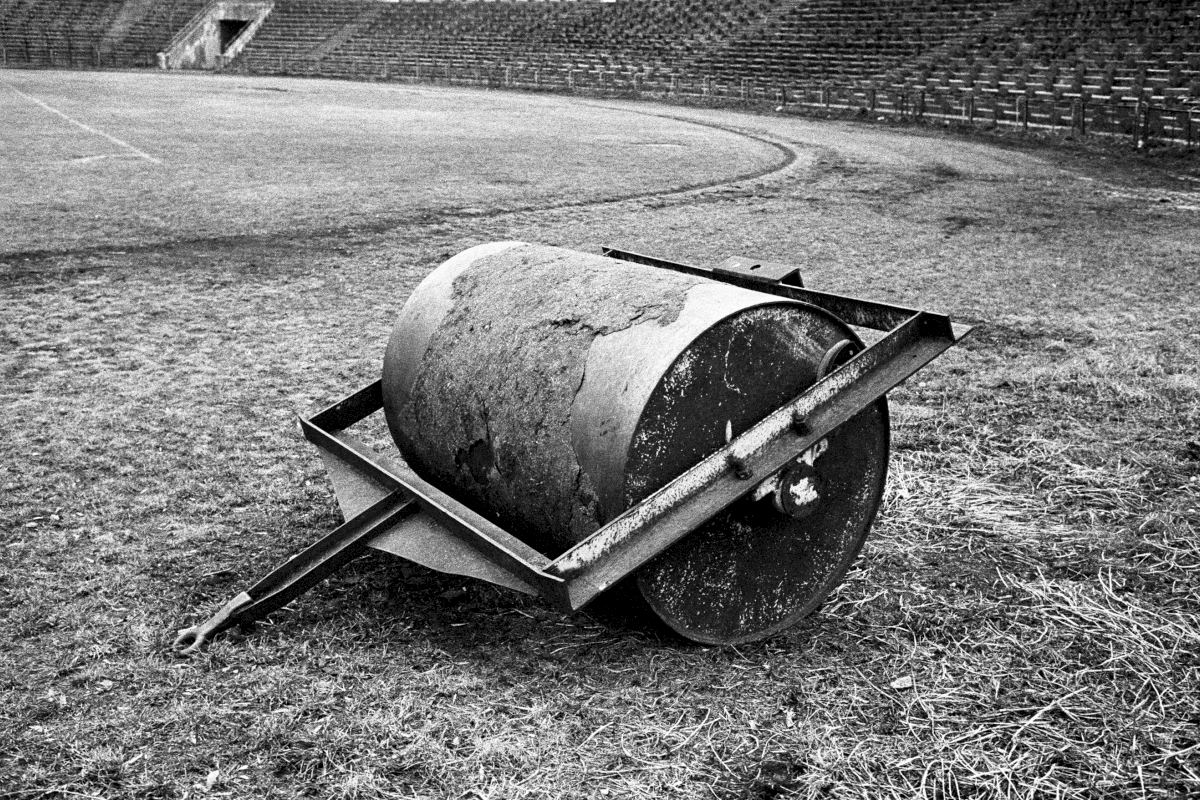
1140, 121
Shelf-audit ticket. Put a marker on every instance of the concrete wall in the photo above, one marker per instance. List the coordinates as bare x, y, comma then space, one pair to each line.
198, 45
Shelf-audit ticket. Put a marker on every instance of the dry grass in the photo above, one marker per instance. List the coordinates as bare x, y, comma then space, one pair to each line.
1023, 622
259, 157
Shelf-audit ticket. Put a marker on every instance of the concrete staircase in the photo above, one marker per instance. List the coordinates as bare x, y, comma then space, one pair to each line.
200, 45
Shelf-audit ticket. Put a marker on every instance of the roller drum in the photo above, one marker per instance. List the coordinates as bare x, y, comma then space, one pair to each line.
551, 390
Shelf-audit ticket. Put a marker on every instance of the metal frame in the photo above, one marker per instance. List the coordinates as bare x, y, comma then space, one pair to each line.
570, 581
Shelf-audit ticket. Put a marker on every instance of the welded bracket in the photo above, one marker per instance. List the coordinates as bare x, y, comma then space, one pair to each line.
741, 265
407, 503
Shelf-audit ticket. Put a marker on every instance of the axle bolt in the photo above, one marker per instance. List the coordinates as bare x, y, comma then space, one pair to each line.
800, 424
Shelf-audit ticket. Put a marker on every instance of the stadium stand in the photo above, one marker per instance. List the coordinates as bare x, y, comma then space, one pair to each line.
643, 36
830, 40
90, 33
150, 30
1130, 49
297, 30
1027, 62
1062, 48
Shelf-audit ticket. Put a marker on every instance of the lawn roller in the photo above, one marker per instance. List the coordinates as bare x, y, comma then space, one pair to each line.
564, 421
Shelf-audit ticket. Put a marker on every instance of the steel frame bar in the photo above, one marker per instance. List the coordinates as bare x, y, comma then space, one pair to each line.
850, 310
301, 572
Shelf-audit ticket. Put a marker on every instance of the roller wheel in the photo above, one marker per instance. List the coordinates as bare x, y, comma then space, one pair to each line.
762, 564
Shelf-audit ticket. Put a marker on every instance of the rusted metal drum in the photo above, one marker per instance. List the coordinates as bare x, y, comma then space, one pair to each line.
551, 390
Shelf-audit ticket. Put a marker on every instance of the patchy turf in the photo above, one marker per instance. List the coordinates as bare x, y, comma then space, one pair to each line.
1022, 623
196, 156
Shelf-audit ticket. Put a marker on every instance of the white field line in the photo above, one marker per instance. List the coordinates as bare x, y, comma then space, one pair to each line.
88, 128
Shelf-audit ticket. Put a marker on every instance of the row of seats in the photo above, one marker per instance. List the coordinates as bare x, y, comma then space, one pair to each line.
294, 30
63, 32
152, 31
662, 34
1129, 49
1069, 48
89, 32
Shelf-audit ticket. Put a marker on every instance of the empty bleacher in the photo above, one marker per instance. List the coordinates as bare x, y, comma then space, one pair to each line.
1099, 49
643, 36
90, 33
295, 30
1061, 48
847, 43
151, 31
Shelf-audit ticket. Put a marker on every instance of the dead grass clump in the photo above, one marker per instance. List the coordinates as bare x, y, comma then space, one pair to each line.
1167, 557
1053, 688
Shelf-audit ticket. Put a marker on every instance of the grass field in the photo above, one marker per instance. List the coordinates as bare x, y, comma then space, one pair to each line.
1024, 621
205, 158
